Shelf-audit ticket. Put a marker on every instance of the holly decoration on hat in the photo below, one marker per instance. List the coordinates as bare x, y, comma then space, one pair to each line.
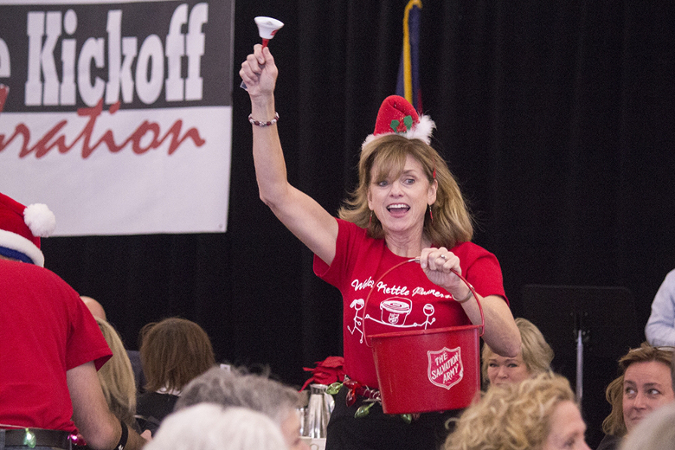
407, 124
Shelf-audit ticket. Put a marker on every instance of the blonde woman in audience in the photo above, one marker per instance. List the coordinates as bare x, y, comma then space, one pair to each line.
539, 413
534, 357
173, 352
211, 427
644, 385
117, 377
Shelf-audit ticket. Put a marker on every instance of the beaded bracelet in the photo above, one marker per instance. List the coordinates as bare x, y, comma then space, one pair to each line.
263, 124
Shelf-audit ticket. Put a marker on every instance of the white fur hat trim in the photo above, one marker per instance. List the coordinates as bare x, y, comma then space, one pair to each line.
20, 244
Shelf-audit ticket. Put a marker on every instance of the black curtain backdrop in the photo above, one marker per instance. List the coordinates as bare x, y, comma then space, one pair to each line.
556, 118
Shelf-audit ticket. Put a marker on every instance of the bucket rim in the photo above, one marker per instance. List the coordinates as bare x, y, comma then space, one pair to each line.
423, 332
416, 260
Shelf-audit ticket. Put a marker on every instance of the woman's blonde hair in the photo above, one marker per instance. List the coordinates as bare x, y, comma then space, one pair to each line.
451, 224
537, 354
117, 377
511, 417
173, 352
614, 423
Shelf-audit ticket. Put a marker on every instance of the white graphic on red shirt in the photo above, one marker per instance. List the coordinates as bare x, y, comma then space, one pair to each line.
394, 312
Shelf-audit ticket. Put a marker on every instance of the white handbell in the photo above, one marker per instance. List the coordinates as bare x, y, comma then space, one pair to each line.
267, 28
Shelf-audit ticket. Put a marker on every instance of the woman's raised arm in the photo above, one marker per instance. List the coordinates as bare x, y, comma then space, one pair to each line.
301, 214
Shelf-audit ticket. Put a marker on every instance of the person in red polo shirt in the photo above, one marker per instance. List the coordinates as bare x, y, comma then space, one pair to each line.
51, 347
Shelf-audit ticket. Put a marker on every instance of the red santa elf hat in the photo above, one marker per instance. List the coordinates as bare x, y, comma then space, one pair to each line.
397, 116
21, 228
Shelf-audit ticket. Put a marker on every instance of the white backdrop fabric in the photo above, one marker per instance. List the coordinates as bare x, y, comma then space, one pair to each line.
118, 116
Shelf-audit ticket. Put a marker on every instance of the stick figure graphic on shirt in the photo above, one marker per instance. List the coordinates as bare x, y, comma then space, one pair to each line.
394, 312
357, 305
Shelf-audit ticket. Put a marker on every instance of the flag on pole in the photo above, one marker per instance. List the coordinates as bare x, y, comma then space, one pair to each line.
408, 84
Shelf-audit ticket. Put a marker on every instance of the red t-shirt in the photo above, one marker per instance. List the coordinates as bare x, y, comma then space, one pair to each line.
403, 300
45, 330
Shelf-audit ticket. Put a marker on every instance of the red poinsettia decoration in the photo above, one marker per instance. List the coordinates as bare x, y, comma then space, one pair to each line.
326, 372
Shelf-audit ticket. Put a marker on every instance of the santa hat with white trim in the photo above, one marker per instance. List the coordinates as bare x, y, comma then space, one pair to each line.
397, 115
21, 228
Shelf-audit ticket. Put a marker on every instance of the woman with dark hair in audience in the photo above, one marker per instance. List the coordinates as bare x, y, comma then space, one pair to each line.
644, 384
173, 352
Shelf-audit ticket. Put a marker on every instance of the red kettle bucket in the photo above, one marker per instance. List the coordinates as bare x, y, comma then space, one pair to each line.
428, 370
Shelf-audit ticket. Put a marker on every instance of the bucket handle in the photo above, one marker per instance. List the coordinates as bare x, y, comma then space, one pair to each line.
417, 260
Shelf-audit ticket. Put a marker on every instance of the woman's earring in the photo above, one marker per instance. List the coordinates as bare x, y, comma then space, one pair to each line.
431, 216
370, 220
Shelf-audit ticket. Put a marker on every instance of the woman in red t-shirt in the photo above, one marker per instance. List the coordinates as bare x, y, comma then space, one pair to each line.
407, 206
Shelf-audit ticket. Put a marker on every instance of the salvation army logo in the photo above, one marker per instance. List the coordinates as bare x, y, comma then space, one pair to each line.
445, 367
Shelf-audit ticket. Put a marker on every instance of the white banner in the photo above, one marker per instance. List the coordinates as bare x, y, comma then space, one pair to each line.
118, 115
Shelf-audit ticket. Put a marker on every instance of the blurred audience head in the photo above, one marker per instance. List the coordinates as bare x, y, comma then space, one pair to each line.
173, 352
656, 432
645, 383
117, 377
212, 427
538, 413
534, 357
95, 307
238, 387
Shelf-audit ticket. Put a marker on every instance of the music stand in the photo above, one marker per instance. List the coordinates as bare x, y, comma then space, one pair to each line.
583, 320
